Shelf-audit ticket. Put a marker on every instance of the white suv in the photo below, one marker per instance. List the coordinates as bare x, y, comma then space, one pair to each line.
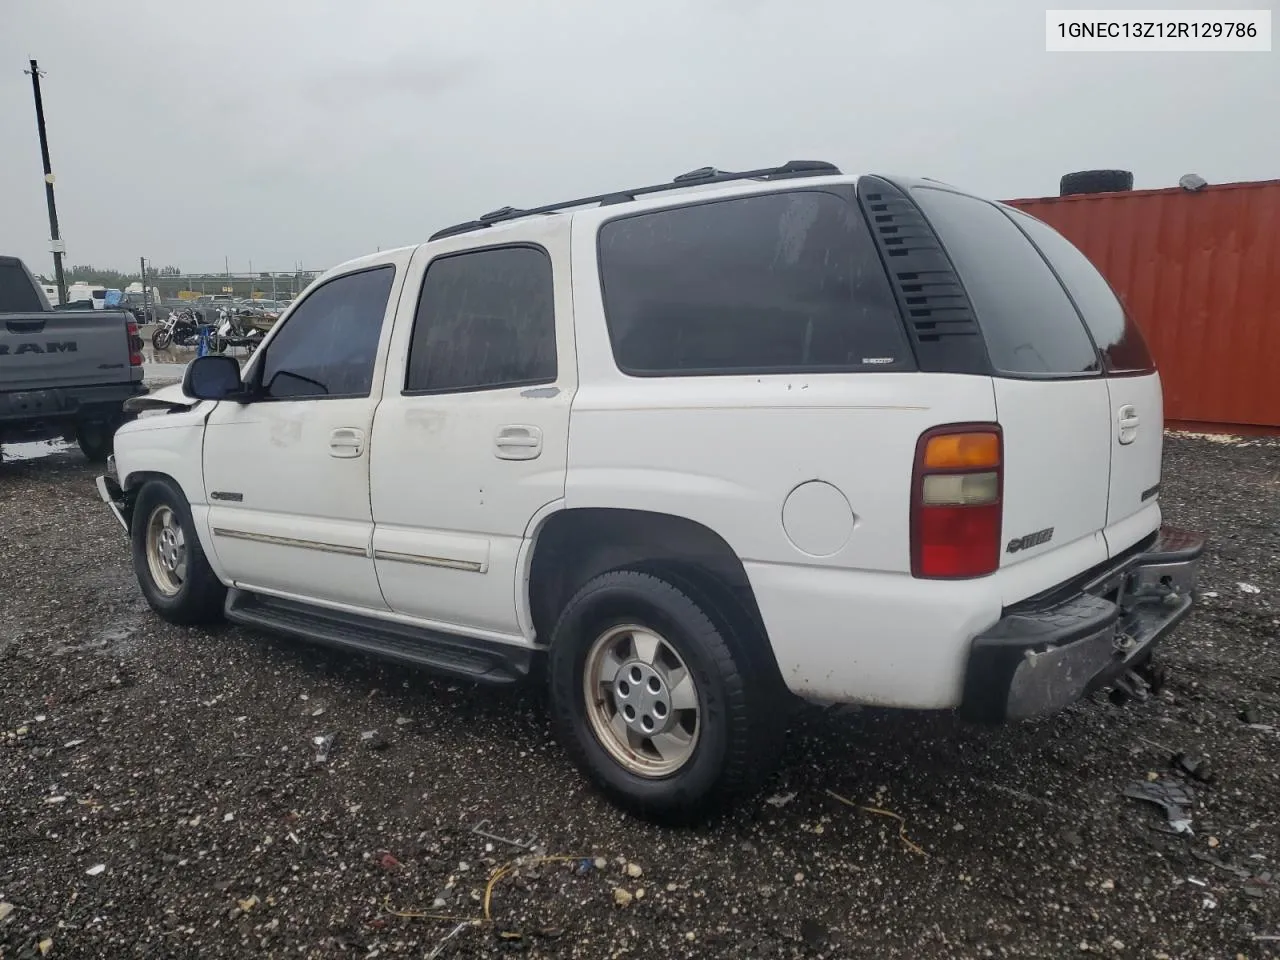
699, 446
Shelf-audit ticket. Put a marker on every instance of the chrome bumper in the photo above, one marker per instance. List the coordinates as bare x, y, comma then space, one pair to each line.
111, 494
1036, 661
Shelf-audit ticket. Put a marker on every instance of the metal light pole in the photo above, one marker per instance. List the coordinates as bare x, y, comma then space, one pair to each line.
146, 298
56, 244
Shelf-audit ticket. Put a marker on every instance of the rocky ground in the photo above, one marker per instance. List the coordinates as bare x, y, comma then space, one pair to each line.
160, 793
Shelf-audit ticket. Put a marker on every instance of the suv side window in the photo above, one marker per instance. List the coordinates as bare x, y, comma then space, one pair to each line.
328, 346
772, 283
1117, 336
1030, 325
485, 320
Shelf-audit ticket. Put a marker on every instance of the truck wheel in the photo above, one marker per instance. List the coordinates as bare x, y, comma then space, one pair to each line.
96, 439
168, 560
654, 702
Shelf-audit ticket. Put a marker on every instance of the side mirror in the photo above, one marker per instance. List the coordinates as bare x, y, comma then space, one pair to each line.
212, 378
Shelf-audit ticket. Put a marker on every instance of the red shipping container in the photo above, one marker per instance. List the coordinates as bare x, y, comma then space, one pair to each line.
1200, 274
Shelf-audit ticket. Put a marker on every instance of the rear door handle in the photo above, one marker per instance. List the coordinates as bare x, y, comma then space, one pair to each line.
518, 441
346, 442
1127, 417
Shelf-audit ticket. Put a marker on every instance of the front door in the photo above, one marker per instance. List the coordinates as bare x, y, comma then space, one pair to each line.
470, 441
287, 475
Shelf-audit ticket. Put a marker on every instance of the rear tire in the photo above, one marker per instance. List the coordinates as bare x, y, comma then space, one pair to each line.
96, 439
168, 561
660, 638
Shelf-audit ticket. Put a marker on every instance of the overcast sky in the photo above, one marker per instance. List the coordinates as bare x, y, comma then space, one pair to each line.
274, 132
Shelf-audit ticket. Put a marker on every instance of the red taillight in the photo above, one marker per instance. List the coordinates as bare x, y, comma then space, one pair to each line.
135, 344
956, 505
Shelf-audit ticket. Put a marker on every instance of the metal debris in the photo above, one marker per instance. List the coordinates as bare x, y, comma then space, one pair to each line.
479, 831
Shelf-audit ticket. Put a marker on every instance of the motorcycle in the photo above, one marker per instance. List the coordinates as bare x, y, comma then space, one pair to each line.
234, 330
180, 328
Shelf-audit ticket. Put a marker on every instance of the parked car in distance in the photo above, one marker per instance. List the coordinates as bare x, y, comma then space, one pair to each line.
64, 372
702, 447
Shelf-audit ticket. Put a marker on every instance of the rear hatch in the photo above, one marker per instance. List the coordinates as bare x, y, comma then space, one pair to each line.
63, 349
1076, 396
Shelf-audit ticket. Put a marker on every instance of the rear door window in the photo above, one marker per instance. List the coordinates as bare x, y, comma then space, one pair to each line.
772, 283
1030, 326
485, 321
1117, 336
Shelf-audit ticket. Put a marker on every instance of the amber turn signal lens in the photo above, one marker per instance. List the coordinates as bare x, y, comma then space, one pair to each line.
962, 451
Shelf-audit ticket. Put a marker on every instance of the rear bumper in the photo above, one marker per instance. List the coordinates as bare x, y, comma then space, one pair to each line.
66, 403
1037, 660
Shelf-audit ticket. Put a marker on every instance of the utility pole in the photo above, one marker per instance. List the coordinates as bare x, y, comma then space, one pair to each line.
55, 241
146, 294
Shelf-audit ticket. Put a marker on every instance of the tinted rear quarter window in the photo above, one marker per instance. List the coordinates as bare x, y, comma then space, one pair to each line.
1116, 335
1029, 324
772, 283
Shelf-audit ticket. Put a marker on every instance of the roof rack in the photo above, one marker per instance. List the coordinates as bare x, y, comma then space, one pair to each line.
703, 175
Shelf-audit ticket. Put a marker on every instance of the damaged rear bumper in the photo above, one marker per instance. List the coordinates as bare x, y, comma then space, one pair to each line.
1042, 656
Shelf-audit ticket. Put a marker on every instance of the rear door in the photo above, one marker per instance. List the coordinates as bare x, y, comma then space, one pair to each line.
470, 441
1052, 400
1133, 386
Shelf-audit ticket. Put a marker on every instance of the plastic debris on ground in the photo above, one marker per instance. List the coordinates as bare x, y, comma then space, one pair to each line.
374, 740
1174, 798
1193, 766
324, 746
1248, 588
780, 799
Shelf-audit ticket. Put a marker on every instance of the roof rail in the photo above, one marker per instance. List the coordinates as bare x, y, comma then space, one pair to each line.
703, 175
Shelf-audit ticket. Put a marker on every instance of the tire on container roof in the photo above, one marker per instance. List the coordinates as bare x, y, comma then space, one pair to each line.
1095, 181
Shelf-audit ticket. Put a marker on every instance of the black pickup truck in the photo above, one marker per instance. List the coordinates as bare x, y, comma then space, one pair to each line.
63, 373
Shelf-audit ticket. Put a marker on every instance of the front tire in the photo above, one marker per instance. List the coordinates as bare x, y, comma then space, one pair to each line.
168, 561
657, 703
161, 338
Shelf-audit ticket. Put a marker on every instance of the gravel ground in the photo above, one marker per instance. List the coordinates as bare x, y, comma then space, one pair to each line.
160, 793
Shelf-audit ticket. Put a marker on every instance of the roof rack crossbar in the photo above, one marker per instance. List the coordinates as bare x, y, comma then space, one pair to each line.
699, 177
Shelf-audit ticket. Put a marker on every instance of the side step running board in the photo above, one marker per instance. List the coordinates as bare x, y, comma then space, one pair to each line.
466, 657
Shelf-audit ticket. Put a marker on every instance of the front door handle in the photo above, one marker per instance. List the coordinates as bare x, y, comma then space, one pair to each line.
346, 442
1127, 418
518, 441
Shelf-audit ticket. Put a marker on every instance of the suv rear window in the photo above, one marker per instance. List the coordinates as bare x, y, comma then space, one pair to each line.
1117, 336
773, 283
1030, 325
